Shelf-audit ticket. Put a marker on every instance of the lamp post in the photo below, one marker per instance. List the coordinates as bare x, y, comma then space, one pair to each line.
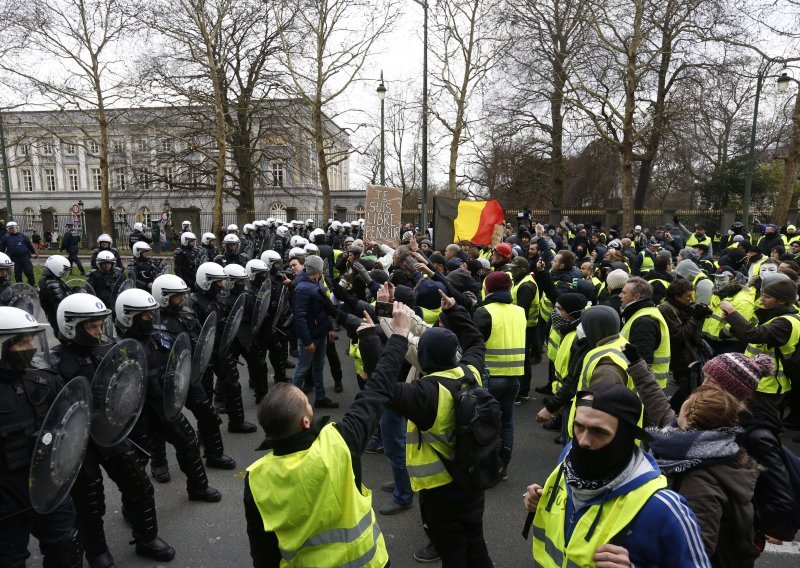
381, 96
424, 208
82, 219
751, 158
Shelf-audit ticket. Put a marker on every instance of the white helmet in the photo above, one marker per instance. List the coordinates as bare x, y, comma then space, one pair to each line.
207, 273
15, 322
271, 222
336, 226
346, 225
260, 224
168, 285
316, 233
230, 239
139, 248
208, 237
78, 308
233, 228
235, 272
5, 261
309, 222
360, 222
105, 256
270, 256
105, 238
297, 251
57, 265
185, 224
186, 237
131, 302
293, 242
138, 227
302, 241
254, 267
311, 248
11, 224
294, 223
282, 231
248, 228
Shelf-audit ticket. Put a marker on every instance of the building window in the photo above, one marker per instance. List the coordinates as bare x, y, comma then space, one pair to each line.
144, 215
72, 179
141, 145
94, 147
167, 174
119, 179
70, 149
24, 149
27, 180
47, 148
118, 146
166, 145
277, 211
278, 174
97, 179
360, 211
49, 179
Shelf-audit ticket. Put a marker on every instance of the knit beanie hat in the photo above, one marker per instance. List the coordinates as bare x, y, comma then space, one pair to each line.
498, 280
738, 374
781, 289
572, 302
314, 265
453, 264
616, 279
690, 254
428, 294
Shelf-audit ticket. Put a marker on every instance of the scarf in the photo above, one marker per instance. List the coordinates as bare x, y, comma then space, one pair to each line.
677, 450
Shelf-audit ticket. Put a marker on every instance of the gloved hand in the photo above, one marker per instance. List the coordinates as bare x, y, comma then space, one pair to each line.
632, 353
471, 297
700, 311
675, 219
362, 273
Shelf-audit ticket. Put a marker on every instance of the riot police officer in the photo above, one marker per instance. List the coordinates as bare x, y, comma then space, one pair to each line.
105, 279
281, 241
138, 236
105, 243
177, 317
259, 237
208, 244
230, 252
86, 336
52, 288
187, 258
142, 269
26, 394
6, 264
247, 244
136, 312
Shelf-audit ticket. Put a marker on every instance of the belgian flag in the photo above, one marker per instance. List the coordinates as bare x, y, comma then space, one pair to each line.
455, 220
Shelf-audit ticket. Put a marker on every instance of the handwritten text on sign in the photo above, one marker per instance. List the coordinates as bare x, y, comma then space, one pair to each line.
382, 214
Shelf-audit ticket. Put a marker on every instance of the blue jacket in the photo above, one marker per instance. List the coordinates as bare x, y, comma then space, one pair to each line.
17, 246
310, 321
664, 533
71, 242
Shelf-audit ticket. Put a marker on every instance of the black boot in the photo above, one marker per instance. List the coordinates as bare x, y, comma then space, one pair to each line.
214, 452
187, 452
158, 549
158, 459
145, 532
104, 560
208, 422
66, 553
236, 421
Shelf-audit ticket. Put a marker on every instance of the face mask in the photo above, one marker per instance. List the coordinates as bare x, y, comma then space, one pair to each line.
558, 321
767, 269
721, 282
141, 327
607, 462
17, 360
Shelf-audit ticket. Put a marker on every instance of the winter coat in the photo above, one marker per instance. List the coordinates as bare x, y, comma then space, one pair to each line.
684, 335
310, 321
645, 332
16, 246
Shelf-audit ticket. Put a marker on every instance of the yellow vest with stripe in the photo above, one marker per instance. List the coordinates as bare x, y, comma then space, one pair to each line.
336, 254
692, 240
664, 283
660, 364
425, 468
505, 348
714, 324
355, 355
487, 254
550, 549
430, 316
778, 383
611, 350
553, 343
545, 307
310, 501
561, 363
533, 312
647, 262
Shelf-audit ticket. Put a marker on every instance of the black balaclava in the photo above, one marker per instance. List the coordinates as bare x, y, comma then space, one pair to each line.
140, 327
604, 464
16, 360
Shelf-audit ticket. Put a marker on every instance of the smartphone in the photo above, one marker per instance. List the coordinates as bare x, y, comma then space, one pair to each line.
384, 309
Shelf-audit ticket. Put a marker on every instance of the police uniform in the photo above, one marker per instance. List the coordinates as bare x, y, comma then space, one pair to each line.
51, 291
105, 283
112, 250
187, 259
143, 271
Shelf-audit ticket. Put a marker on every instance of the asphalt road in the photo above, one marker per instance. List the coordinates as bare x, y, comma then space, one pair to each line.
213, 535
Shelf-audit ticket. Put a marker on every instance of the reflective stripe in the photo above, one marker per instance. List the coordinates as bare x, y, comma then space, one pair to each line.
412, 437
510, 351
426, 470
552, 343
754, 350
657, 360
332, 536
506, 364
717, 318
551, 549
599, 355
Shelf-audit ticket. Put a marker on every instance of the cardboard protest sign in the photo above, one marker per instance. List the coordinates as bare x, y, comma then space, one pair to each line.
382, 214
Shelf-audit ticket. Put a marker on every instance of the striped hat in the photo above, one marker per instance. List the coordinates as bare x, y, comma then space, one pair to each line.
738, 374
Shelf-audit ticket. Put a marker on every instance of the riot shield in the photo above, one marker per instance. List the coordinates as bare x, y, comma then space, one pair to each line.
204, 348
22, 296
283, 302
177, 376
261, 308
232, 324
60, 446
118, 392
122, 285
78, 286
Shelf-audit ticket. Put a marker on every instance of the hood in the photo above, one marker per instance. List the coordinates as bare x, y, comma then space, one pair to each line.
687, 269
437, 350
428, 294
462, 280
599, 322
765, 315
760, 415
498, 297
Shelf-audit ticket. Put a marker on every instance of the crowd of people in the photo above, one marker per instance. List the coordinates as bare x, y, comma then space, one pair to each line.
671, 357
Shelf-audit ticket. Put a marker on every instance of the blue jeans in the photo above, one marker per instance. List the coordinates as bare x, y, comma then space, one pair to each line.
505, 389
393, 432
315, 361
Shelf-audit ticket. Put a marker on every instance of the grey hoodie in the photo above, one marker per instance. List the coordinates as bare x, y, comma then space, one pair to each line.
704, 289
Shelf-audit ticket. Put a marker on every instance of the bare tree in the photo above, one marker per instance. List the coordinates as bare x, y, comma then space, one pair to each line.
323, 53
71, 53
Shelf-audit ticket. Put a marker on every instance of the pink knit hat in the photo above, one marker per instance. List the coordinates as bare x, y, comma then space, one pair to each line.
738, 374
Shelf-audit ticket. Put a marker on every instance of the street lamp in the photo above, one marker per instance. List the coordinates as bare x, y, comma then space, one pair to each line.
751, 158
783, 82
381, 96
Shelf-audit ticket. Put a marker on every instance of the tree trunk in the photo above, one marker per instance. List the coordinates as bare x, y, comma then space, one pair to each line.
106, 222
626, 146
451, 168
789, 181
322, 161
557, 133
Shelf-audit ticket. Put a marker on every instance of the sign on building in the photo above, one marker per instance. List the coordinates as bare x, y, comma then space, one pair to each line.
382, 214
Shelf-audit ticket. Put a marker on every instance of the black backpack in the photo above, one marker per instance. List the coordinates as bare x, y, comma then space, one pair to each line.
477, 462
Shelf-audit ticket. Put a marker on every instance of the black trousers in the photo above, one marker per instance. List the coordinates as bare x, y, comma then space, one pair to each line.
453, 520
23, 264
73, 259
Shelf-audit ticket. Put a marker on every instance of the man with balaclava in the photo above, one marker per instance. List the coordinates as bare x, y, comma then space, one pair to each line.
606, 504
772, 238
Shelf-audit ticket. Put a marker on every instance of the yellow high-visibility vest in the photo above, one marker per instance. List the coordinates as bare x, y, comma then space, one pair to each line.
660, 364
778, 383
505, 348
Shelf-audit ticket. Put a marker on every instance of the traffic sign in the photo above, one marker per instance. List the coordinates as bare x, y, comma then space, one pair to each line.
76, 209
165, 216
